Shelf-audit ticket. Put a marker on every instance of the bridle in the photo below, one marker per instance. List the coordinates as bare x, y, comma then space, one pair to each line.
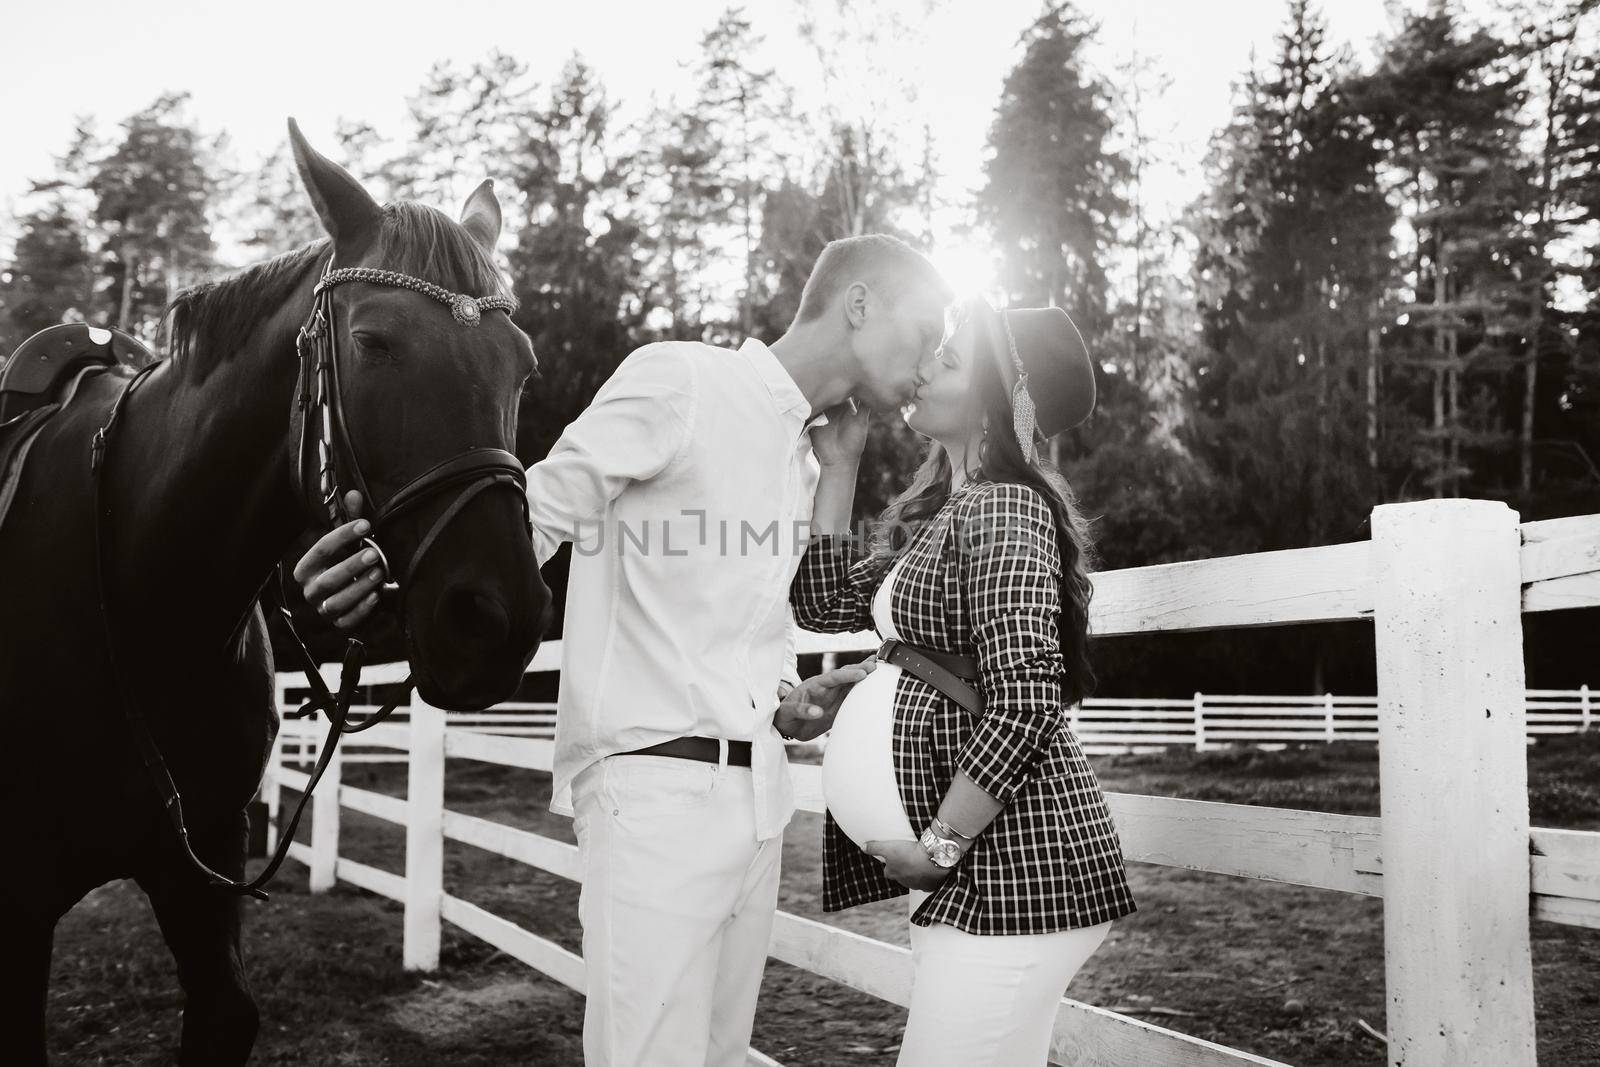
326, 459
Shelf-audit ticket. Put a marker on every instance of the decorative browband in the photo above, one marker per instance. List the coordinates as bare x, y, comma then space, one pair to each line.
468, 310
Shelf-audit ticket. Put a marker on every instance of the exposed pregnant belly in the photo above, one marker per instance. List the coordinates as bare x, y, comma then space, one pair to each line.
858, 779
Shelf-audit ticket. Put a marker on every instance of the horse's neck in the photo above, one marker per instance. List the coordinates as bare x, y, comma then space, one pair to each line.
207, 500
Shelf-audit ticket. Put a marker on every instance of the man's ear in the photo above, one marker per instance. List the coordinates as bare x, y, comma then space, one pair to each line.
857, 301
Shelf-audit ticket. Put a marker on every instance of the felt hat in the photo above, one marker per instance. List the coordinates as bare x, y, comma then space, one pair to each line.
1043, 359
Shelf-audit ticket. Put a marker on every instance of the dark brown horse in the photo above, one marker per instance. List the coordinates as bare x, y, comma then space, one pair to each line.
200, 502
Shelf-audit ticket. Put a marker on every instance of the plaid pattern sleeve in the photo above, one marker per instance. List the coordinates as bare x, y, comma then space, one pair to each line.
832, 592
1010, 569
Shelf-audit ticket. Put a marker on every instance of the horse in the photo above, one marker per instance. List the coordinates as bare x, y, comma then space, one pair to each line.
152, 596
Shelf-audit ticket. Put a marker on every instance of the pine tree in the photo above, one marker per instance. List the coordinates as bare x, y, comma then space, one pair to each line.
152, 198
578, 259
1291, 275
1447, 102
50, 278
742, 106
1051, 194
462, 125
693, 200
274, 214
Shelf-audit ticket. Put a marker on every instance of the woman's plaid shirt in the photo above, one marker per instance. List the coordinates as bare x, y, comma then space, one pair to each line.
981, 579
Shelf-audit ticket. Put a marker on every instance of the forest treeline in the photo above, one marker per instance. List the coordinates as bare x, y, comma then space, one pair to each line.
1386, 289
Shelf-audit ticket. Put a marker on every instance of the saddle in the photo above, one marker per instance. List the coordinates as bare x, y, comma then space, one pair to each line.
42, 377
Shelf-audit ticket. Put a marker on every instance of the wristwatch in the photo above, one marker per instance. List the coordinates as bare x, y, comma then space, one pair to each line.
942, 844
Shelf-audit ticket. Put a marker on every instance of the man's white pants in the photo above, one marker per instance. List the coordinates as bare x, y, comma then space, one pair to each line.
677, 905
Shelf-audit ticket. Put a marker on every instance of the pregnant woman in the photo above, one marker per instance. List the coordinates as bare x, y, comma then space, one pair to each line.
951, 770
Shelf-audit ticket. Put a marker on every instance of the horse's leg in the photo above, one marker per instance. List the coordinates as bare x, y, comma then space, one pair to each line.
25, 967
201, 927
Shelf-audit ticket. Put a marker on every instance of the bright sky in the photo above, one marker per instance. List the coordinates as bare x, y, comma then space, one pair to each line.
320, 60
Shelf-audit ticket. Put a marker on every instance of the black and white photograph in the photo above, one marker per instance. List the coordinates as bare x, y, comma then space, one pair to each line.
800, 533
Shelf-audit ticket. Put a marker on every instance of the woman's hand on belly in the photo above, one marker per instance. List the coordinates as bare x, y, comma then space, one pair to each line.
810, 708
907, 862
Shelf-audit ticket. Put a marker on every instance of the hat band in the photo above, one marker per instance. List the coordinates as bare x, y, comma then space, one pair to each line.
1023, 415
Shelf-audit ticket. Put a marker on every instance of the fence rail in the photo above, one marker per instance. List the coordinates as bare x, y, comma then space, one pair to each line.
1103, 725
1452, 855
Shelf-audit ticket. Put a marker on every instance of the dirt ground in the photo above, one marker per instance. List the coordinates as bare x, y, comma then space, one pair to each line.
1278, 970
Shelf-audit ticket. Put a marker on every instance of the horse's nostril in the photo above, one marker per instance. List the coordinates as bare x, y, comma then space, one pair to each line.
469, 614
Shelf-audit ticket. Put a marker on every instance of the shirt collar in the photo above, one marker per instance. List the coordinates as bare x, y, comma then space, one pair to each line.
786, 395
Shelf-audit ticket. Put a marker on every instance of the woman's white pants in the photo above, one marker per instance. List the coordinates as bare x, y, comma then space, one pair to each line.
988, 1000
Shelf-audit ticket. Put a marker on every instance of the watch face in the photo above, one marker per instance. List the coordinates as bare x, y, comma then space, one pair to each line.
943, 853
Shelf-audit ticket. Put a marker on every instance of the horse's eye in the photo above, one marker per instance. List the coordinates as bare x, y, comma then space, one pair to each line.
371, 342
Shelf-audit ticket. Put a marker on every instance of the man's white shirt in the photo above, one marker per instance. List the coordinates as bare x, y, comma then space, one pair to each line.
686, 490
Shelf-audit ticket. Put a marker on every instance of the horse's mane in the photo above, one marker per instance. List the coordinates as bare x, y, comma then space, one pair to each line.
214, 317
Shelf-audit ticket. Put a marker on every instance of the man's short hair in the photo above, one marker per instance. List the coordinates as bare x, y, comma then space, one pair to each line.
890, 266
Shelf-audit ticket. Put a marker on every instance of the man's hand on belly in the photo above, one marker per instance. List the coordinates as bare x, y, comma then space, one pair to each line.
809, 709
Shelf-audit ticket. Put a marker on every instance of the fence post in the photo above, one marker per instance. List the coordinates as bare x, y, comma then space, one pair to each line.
1327, 714
1453, 777
424, 838
325, 825
1199, 723
1585, 707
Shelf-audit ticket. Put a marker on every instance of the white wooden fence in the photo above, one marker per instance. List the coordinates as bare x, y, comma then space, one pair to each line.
1103, 725
1452, 854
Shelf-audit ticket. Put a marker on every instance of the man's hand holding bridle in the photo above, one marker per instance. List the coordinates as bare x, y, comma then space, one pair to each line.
339, 582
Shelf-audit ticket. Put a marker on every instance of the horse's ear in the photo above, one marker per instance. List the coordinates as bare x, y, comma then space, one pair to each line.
481, 216
347, 211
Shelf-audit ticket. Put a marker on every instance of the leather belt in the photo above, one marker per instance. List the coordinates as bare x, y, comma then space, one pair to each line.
704, 749
950, 674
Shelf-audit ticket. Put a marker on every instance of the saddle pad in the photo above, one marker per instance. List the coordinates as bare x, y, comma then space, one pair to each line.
17, 437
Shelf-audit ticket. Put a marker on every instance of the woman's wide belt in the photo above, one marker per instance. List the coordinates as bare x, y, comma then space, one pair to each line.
950, 674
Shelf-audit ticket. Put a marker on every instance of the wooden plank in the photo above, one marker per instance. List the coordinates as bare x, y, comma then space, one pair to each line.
1566, 863
372, 879
534, 754
378, 805
544, 853
1558, 548
1325, 584
1560, 563
424, 881
1559, 594
808, 643
546, 957
1083, 1034
1453, 783
1309, 848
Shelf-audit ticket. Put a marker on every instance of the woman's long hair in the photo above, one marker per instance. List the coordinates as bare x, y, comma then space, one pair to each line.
1000, 459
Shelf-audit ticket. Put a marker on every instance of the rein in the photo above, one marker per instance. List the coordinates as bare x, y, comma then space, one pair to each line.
324, 442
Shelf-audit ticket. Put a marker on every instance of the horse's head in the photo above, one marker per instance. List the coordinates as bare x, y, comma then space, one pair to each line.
424, 411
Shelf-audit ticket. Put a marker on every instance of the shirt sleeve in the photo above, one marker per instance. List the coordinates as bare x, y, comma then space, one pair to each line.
1010, 567
791, 655
832, 592
635, 428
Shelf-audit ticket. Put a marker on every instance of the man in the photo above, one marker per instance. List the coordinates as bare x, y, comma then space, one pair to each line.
686, 489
